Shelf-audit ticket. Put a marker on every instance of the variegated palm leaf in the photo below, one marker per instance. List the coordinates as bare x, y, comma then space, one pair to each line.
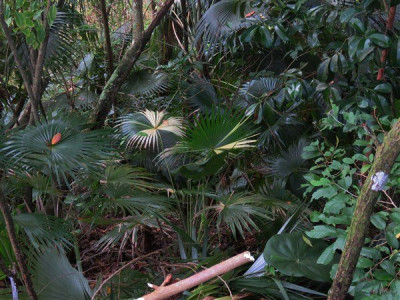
152, 130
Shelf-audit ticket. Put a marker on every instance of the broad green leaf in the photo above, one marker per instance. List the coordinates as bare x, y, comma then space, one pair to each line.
392, 240
382, 275
394, 53
357, 24
380, 40
348, 14
280, 31
364, 263
52, 14
19, 19
291, 255
378, 221
384, 88
265, 37
323, 70
327, 192
322, 231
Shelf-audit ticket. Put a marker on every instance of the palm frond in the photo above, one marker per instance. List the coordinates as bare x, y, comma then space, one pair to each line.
149, 130
145, 83
215, 133
128, 205
238, 212
55, 279
289, 162
57, 148
44, 231
201, 95
256, 88
218, 22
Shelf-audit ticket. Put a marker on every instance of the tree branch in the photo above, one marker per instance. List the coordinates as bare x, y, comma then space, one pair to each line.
119, 270
39, 63
164, 292
385, 157
124, 67
17, 59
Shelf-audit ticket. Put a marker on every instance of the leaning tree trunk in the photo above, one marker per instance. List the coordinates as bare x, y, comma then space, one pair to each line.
121, 72
137, 22
385, 158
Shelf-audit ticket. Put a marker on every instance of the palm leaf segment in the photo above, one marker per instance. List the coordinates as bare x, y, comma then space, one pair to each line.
56, 148
238, 212
149, 129
219, 22
145, 83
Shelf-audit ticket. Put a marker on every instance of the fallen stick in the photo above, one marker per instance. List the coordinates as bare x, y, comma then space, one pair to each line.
164, 292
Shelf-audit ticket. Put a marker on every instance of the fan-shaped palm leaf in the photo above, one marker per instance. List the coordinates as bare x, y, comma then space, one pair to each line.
256, 88
149, 130
290, 161
218, 22
44, 231
145, 83
201, 95
289, 166
215, 133
128, 205
238, 211
56, 279
57, 148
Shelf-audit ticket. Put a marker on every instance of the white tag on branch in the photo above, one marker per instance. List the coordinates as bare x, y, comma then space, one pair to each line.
379, 180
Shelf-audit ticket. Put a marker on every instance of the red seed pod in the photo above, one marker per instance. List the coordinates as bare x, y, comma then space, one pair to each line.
250, 14
56, 139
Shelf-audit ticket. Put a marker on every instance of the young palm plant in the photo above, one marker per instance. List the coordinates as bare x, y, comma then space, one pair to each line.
58, 148
208, 141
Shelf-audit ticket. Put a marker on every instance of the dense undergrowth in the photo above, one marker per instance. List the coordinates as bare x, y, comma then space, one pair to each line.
244, 125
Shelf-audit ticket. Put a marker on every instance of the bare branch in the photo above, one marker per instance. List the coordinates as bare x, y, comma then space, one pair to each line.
164, 292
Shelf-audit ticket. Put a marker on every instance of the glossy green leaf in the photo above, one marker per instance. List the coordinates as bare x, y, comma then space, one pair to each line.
293, 257
380, 40
280, 31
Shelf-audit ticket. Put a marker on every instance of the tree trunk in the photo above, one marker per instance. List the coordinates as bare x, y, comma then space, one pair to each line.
185, 25
138, 25
121, 72
385, 157
107, 37
14, 244
37, 58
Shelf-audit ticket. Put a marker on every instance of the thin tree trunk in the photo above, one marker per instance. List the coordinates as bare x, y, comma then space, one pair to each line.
138, 25
185, 25
107, 37
153, 7
14, 244
34, 87
121, 72
39, 63
385, 157
385, 52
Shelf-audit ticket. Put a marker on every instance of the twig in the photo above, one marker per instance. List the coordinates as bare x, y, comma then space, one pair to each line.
223, 267
385, 52
119, 270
